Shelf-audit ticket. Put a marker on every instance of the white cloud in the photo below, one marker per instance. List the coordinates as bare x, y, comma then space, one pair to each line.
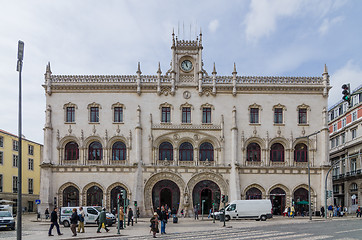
262, 18
328, 23
214, 25
349, 73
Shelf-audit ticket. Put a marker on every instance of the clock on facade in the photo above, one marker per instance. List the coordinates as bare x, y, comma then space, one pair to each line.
186, 65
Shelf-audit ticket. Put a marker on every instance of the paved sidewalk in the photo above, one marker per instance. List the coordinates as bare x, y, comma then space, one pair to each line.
33, 230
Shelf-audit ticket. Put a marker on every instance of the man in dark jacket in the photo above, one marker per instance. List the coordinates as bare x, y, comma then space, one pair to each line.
54, 221
163, 220
102, 220
130, 216
74, 222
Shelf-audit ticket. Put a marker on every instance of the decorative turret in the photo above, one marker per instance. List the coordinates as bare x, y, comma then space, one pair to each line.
159, 72
48, 80
139, 79
325, 81
234, 80
214, 80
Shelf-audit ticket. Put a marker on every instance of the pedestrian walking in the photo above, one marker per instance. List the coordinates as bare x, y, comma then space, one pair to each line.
54, 221
163, 220
196, 211
74, 222
322, 211
330, 210
154, 224
121, 217
46, 213
289, 212
285, 211
358, 211
292, 211
102, 221
81, 220
130, 216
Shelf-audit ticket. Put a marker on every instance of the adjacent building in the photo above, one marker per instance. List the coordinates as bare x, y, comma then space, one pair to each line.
184, 136
345, 128
9, 160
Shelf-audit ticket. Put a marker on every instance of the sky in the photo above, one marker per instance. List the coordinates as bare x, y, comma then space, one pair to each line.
263, 38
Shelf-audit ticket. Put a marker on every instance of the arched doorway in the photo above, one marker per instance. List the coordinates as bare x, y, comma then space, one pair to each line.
70, 197
94, 196
253, 193
301, 201
165, 192
210, 192
277, 198
114, 193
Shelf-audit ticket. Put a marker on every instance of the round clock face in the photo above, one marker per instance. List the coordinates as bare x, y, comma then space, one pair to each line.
186, 65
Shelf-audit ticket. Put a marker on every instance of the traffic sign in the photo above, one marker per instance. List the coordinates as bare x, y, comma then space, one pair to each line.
37, 201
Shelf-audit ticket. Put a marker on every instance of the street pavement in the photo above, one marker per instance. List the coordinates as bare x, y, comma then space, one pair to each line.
188, 228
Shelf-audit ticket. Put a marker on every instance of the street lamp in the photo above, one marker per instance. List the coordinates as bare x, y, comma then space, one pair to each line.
309, 198
19, 207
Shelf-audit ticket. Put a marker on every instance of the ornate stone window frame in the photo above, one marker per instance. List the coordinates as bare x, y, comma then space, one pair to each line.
118, 104
186, 104
166, 104
284, 109
65, 106
259, 117
207, 105
94, 104
303, 106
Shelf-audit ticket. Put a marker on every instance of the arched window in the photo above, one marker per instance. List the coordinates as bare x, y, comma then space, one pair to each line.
95, 151
119, 151
94, 196
165, 151
253, 193
277, 153
71, 151
301, 153
206, 152
186, 152
70, 197
253, 152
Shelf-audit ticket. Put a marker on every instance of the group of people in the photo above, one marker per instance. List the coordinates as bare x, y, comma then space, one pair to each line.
289, 212
77, 220
338, 211
161, 216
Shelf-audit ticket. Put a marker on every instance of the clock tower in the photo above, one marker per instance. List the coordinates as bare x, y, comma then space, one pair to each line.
186, 64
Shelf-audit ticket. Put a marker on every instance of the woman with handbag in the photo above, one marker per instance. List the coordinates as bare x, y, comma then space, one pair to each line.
154, 224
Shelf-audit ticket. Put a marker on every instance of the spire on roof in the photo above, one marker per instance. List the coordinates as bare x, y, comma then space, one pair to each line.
48, 68
214, 69
325, 69
235, 72
139, 68
159, 68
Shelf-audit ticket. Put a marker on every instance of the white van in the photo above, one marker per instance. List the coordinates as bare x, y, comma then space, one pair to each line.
90, 215
249, 209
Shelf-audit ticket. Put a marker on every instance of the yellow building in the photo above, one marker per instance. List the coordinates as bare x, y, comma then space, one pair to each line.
31, 156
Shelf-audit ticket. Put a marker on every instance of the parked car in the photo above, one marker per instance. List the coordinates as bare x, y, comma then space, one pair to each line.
249, 209
217, 213
91, 213
7, 220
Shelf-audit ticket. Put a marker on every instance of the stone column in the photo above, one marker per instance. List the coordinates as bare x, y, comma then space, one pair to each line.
138, 189
234, 183
46, 190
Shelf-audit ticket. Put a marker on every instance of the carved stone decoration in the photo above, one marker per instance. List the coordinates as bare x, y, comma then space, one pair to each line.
176, 137
94, 130
279, 132
106, 135
70, 129
61, 190
118, 130
82, 135
196, 137
303, 131
267, 136
48, 121
130, 139
158, 177
255, 106
58, 135
187, 94
255, 131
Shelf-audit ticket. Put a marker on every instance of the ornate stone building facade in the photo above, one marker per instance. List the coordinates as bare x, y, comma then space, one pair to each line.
184, 136
346, 151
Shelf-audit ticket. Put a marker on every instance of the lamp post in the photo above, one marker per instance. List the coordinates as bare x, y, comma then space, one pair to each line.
309, 197
19, 207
